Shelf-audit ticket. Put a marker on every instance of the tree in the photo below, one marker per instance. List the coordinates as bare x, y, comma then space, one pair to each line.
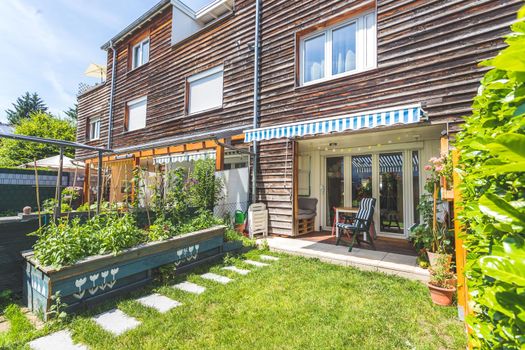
72, 113
13, 152
24, 106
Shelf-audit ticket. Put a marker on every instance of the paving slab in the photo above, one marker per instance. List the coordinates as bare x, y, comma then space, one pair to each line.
216, 278
190, 287
60, 340
236, 270
256, 263
268, 258
391, 263
159, 302
116, 321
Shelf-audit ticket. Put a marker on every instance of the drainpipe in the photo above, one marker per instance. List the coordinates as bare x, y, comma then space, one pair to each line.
111, 92
256, 47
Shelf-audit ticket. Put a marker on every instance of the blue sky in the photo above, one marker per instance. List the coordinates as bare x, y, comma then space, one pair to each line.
48, 44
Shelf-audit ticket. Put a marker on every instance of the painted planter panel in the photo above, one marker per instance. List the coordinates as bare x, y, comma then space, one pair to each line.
106, 275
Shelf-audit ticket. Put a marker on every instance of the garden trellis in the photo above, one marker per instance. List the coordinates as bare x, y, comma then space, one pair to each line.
62, 145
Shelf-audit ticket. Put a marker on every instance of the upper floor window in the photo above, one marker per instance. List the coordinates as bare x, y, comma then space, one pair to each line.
342, 49
94, 129
205, 90
136, 114
140, 54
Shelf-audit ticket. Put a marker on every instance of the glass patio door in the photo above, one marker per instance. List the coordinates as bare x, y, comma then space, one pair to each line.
335, 186
391, 201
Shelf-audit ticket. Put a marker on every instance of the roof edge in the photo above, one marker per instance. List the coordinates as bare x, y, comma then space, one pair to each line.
160, 6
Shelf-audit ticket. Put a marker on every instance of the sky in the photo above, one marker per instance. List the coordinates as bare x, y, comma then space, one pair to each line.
48, 44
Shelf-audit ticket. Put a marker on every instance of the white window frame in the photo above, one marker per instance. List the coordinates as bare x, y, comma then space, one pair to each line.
137, 62
134, 102
199, 76
94, 122
366, 45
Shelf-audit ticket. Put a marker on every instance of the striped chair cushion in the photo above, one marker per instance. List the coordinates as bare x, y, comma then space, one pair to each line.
365, 212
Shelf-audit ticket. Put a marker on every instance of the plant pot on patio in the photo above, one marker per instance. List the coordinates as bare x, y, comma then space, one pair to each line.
433, 259
440, 295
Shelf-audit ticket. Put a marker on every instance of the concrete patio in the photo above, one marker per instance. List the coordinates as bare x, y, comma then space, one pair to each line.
364, 259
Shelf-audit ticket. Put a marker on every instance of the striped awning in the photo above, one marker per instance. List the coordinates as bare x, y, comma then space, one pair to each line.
183, 157
368, 119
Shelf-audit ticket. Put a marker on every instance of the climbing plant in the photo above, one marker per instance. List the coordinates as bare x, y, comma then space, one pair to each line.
492, 167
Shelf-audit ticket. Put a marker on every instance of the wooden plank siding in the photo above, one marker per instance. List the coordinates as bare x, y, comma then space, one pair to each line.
427, 52
163, 79
92, 104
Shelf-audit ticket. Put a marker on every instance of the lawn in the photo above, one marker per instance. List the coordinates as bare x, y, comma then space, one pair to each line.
295, 303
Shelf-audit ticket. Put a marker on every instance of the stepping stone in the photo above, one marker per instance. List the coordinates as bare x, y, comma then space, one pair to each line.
216, 278
190, 287
116, 321
237, 270
256, 263
159, 302
58, 340
268, 258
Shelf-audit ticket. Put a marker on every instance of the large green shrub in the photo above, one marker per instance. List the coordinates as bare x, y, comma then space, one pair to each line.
492, 166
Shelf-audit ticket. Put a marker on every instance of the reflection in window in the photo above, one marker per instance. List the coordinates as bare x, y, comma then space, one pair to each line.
391, 192
314, 60
361, 178
415, 184
335, 185
343, 49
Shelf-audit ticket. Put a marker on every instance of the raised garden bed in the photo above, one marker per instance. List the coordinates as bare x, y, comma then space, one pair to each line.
97, 278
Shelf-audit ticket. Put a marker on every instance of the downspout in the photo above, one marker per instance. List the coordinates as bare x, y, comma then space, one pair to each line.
256, 47
111, 93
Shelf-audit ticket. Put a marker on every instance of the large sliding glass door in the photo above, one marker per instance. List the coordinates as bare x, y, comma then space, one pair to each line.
391, 201
335, 186
390, 177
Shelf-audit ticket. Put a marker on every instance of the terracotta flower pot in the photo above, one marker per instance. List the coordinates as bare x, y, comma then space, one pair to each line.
441, 296
433, 259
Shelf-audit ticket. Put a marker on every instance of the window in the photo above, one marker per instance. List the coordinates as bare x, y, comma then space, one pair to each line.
140, 54
205, 90
94, 129
136, 114
339, 50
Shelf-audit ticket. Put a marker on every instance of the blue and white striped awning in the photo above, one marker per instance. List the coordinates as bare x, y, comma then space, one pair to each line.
368, 119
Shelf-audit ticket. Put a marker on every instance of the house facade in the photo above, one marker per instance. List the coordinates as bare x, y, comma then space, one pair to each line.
354, 96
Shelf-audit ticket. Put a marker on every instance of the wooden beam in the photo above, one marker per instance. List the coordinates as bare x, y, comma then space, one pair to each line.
219, 157
85, 197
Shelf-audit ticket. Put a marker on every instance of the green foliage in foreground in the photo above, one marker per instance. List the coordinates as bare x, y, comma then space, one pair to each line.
13, 152
295, 303
492, 166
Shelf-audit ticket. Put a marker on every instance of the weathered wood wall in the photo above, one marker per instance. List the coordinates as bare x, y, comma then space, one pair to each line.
93, 104
428, 51
163, 79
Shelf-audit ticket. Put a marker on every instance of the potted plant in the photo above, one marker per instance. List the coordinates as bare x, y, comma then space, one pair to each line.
440, 168
440, 287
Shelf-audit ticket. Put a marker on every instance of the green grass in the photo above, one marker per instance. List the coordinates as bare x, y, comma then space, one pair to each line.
295, 303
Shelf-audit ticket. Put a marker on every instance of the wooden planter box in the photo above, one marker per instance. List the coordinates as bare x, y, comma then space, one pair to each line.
99, 277
231, 246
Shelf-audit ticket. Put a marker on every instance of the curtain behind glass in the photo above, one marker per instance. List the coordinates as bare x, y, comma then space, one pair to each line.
343, 49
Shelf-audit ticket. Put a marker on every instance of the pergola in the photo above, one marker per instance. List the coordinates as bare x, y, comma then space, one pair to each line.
63, 144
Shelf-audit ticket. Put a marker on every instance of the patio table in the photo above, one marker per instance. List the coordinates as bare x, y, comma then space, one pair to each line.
354, 211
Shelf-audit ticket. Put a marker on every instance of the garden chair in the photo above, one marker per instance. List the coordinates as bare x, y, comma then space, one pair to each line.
361, 224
